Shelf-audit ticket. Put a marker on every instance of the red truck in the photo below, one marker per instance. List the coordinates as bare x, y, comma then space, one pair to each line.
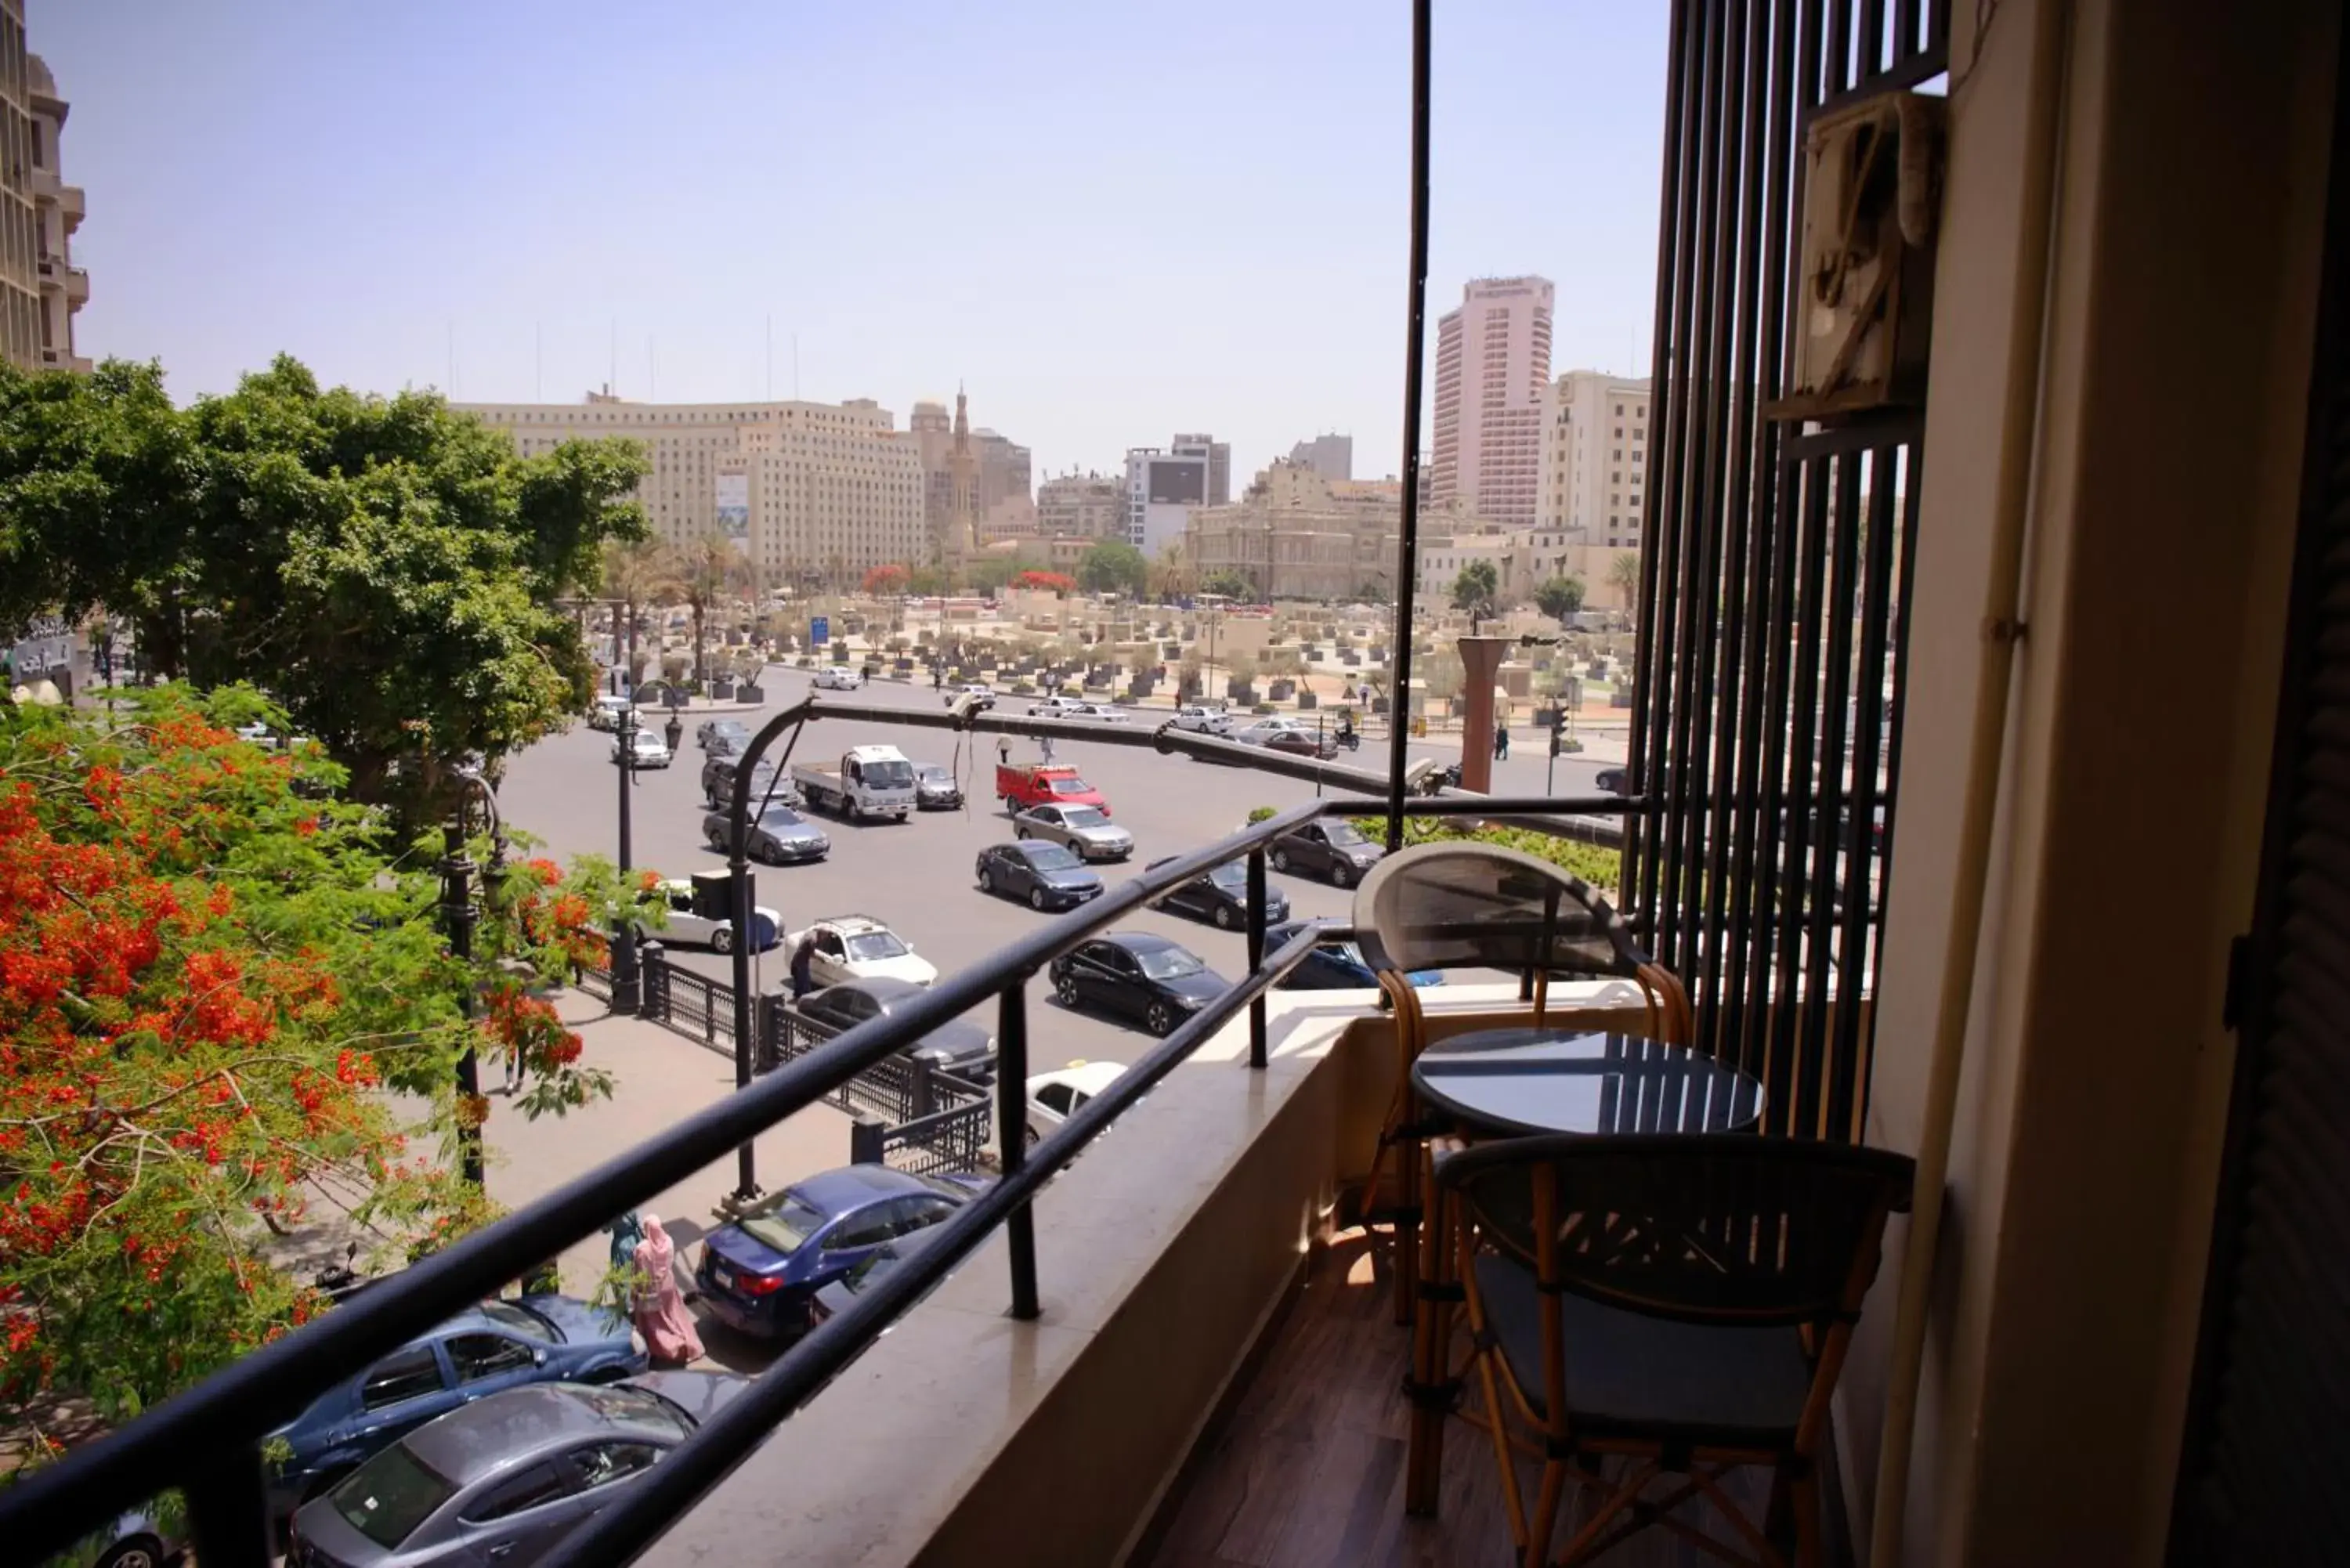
1022, 788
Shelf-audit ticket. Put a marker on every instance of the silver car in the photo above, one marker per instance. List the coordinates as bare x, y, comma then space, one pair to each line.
780, 836
1086, 829
503, 1478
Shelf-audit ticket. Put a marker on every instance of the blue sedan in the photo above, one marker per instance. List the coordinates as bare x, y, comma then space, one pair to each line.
498, 1344
759, 1275
1334, 965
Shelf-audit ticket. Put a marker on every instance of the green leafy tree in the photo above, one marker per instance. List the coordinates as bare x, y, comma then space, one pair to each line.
709, 570
388, 567
224, 1010
638, 573
1560, 597
1624, 575
1476, 591
1230, 582
1113, 566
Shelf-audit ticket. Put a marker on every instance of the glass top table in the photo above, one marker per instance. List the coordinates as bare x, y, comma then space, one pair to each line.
1515, 1082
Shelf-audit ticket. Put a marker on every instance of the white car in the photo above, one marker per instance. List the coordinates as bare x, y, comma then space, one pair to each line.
700, 931
606, 714
651, 750
838, 677
1203, 719
858, 947
1056, 707
1053, 1097
1099, 712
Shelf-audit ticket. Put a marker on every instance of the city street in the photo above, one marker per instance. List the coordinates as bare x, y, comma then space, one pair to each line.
919, 877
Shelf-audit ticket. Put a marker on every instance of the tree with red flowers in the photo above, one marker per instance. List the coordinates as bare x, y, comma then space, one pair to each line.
889, 579
224, 1006
1046, 582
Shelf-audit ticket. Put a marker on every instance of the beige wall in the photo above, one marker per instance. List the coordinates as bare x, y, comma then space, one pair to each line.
2190, 163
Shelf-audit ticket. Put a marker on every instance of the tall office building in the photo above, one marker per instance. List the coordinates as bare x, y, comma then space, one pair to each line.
40, 288
1594, 455
805, 488
1081, 506
1331, 456
1162, 486
1493, 364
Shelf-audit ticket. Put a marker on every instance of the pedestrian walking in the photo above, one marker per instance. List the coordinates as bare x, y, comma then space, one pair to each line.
1048, 748
804, 968
1003, 751
660, 1314
1501, 742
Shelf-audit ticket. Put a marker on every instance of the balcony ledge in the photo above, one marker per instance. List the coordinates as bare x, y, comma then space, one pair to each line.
965, 1437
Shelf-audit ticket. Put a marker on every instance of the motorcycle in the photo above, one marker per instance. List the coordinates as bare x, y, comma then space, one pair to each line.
1442, 779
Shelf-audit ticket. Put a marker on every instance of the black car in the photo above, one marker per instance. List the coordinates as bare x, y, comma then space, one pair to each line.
1609, 781
722, 735
958, 1046
718, 781
1333, 847
935, 788
1049, 876
1221, 896
1139, 975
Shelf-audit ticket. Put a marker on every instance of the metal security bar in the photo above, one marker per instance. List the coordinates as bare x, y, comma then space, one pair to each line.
209, 1440
1774, 572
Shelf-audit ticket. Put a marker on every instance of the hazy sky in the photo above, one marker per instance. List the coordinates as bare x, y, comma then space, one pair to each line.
1111, 221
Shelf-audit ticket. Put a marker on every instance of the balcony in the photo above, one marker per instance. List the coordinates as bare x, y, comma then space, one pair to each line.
73, 203
76, 284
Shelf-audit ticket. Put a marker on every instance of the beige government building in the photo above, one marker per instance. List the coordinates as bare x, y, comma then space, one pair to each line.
821, 488
40, 288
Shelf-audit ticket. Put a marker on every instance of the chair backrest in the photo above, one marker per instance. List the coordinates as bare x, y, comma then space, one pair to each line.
1721, 1228
1463, 904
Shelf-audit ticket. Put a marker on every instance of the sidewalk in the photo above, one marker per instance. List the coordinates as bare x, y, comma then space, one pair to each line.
658, 1079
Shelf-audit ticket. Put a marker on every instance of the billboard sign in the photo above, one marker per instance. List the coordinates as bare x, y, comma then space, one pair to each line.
819, 630
1180, 482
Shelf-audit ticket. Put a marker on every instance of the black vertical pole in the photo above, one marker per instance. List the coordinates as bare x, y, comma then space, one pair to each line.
457, 916
1012, 1137
228, 1510
1256, 953
628, 993
1415, 329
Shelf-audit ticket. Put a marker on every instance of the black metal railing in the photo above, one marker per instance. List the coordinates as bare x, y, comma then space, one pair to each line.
948, 1140
209, 1440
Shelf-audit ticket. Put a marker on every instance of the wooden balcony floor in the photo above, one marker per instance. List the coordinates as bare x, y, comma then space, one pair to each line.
1305, 1466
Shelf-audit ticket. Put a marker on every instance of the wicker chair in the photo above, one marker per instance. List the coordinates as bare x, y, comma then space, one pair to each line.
1679, 1305
1465, 905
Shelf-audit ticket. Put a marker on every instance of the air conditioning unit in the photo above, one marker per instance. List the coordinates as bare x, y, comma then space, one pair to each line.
1864, 300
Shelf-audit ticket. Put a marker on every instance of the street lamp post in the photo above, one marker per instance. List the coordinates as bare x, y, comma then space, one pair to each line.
627, 991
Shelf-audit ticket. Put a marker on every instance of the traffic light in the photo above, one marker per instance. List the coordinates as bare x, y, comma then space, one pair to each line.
1558, 737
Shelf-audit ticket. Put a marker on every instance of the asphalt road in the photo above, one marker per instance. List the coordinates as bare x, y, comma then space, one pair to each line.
919, 876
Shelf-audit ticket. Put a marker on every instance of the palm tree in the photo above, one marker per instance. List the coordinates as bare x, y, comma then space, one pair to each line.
706, 567
1624, 575
636, 574
1171, 575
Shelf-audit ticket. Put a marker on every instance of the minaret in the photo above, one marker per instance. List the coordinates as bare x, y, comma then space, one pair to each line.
962, 473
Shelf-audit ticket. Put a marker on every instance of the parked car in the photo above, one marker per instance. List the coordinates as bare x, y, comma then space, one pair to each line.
935, 788
718, 782
1203, 719
760, 1273
1337, 964
836, 1297
648, 748
137, 1539
1610, 781
606, 714
1054, 707
779, 836
838, 677
1332, 847
496, 1346
1138, 974
1221, 896
958, 1046
858, 947
1049, 876
722, 735
689, 926
1086, 829
503, 1478
1053, 1097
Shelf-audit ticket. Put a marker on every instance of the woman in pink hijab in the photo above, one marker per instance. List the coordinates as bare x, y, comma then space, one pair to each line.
660, 1314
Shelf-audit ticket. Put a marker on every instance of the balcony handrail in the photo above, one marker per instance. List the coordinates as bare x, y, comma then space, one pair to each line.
208, 1440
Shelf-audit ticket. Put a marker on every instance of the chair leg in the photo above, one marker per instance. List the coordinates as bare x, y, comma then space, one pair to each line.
1546, 1519
1807, 1519
1408, 1155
